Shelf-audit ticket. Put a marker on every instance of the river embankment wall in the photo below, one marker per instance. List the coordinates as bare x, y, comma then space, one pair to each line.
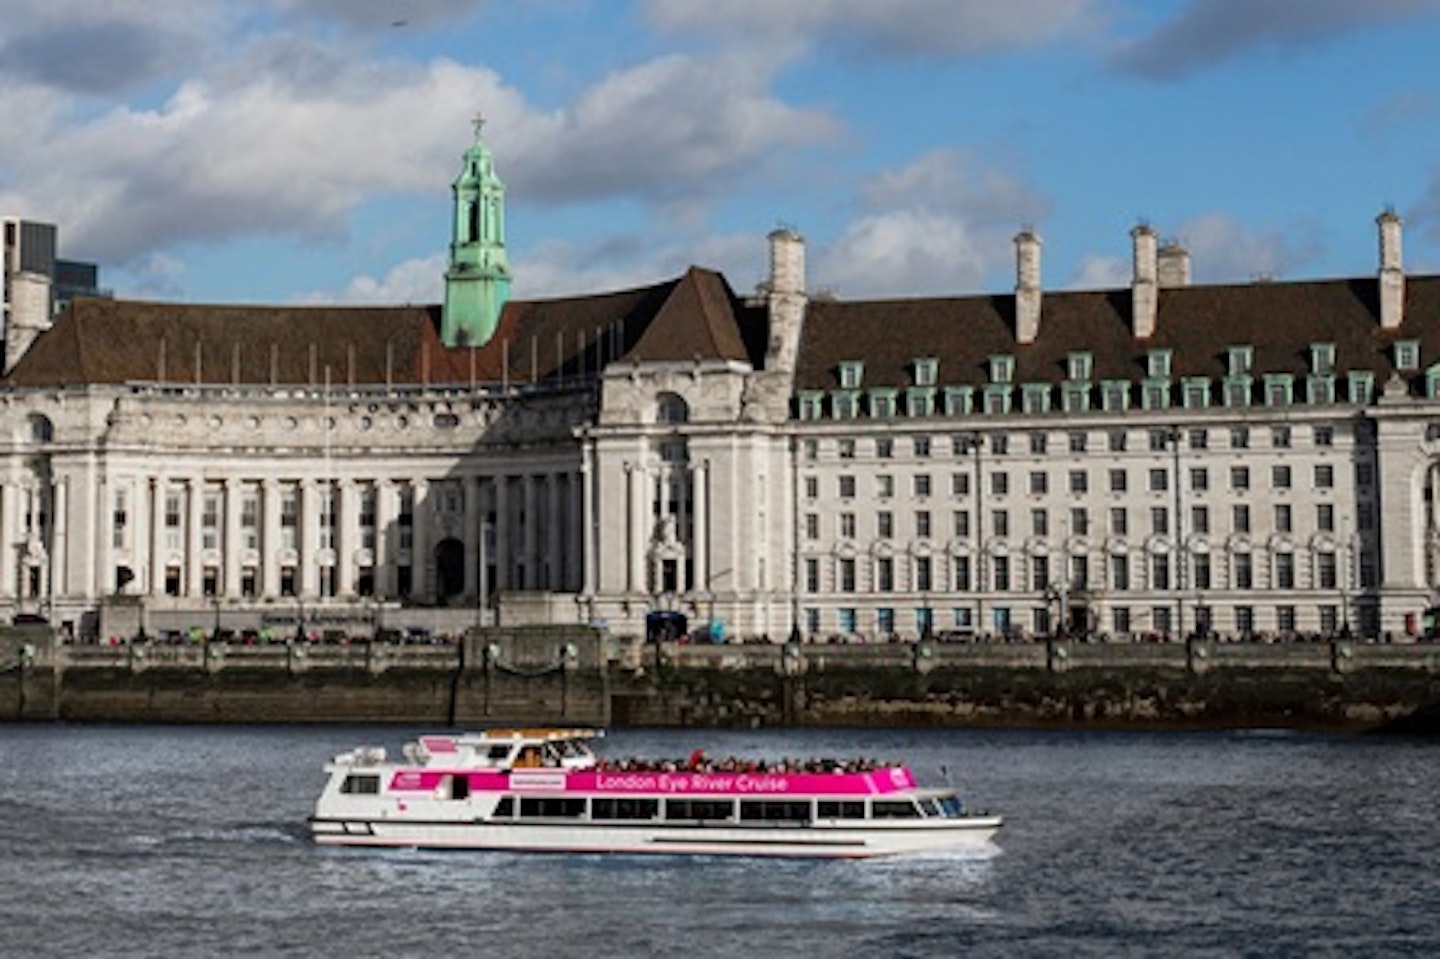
577, 676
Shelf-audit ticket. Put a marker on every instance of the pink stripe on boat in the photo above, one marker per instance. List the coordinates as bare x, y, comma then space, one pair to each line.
879, 782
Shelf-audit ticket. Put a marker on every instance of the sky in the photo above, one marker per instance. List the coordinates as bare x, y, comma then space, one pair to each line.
302, 151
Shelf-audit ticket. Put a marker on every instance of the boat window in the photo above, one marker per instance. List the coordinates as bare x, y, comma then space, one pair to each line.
704, 809
460, 787
773, 810
361, 785
529, 758
505, 808
951, 807
498, 753
552, 807
624, 808
929, 807
841, 809
894, 809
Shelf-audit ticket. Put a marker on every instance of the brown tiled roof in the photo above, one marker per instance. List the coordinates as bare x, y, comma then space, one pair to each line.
114, 341
1198, 323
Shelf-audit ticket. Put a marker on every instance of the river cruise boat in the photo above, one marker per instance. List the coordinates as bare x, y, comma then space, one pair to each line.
545, 790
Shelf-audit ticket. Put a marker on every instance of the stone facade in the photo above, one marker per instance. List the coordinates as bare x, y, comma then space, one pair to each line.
1160, 460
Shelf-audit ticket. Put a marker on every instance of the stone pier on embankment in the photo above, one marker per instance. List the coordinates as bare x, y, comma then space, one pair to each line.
577, 676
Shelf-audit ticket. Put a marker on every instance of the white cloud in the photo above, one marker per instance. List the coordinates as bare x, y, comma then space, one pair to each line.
1225, 250
941, 225
1096, 272
898, 28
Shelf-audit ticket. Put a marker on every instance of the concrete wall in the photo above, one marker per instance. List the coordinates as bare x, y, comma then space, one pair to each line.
578, 677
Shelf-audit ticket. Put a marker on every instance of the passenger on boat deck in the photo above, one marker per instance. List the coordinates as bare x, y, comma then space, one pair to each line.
699, 762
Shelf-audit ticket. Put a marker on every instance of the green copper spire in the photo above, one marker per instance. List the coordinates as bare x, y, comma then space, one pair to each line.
477, 281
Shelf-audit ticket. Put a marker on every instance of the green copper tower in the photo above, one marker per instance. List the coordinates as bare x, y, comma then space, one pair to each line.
477, 281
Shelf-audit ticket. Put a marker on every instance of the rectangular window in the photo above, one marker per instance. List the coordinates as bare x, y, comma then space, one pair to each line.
922, 484
923, 570
1039, 522
1280, 477
847, 577
847, 525
1119, 521
1160, 571
119, 518
1239, 437
962, 523
1284, 570
1325, 517
1001, 566
367, 516
250, 519
1117, 441
812, 526
1079, 481
959, 484
1038, 443
884, 524
1239, 478
845, 449
1284, 518
999, 484
1324, 476
884, 448
922, 447
1200, 520
884, 486
846, 487
1199, 479
1040, 573
885, 575
1039, 483
173, 523
1240, 517
1244, 571
1159, 480
922, 524
962, 574
1200, 570
1117, 481
1000, 523
1159, 521
1120, 572
812, 575
1079, 521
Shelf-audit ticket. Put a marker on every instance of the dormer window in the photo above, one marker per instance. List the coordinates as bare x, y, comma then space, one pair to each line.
1002, 369
926, 371
1157, 364
852, 373
1241, 361
882, 403
1407, 355
1278, 389
1079, 366
1322, 358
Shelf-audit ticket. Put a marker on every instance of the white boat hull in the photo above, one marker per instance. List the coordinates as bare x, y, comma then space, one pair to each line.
815, 841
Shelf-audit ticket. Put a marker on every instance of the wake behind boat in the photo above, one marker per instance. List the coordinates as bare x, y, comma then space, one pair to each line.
544, 790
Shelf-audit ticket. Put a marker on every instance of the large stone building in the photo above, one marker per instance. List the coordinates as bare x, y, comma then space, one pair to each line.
1147, 460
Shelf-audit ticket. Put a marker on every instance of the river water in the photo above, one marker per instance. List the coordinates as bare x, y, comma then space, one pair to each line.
189, 841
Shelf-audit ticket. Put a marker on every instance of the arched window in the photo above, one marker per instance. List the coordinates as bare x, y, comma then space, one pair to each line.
672, 408
41, 429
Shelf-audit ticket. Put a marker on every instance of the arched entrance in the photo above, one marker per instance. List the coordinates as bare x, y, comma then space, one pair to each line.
449, 569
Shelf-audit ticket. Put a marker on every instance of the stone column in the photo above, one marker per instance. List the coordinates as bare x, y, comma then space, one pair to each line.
554, 553
96, 583
502, 533
195, 490
158, 552
9, 536
471, 535
384, 538
530, 550
586, 526
60, 543
270, 537
639, 512
347, 535
232, 492
420, 540
307, 539
700, 542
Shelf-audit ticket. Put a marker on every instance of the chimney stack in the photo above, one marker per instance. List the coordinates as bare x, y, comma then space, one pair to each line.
785, 298
1145, 292
1027, 286
1174, 265
1392, 274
